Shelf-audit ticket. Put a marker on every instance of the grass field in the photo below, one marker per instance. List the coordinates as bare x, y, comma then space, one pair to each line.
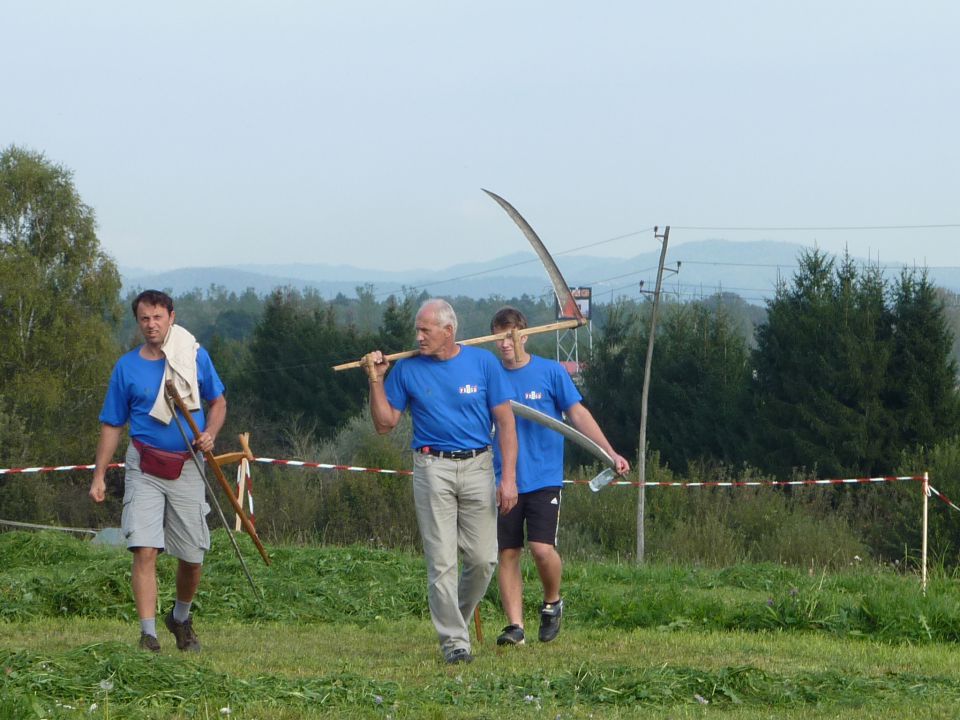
344, 632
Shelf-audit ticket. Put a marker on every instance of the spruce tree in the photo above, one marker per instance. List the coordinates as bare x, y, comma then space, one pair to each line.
922, 381
290, 377
847, 379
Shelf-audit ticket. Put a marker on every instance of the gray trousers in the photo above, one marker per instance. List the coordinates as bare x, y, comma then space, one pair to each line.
456, 509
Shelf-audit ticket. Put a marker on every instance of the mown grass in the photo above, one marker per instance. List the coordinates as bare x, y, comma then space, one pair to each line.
345, 632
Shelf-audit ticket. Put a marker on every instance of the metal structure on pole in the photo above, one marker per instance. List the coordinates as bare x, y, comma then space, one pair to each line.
568, 339
642, 463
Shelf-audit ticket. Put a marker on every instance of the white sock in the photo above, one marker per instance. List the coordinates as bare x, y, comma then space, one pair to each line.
181, 611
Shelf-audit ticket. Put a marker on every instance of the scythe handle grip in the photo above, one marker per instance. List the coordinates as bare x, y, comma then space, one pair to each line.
212, 462
474, 341
394, 356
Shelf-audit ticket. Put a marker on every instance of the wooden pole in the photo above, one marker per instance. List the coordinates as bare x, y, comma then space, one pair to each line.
241, 488
475, 341
477, 625
212, 461
923, 550
642, 460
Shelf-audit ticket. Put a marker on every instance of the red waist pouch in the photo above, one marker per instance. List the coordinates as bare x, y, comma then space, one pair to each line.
164, 464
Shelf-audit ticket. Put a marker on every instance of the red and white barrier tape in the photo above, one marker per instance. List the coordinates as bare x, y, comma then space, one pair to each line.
385, 471
269, 461
948, 501
766, 483
53, 468
325, 466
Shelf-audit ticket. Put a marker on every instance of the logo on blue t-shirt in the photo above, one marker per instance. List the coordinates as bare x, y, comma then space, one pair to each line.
468, 389
533, 395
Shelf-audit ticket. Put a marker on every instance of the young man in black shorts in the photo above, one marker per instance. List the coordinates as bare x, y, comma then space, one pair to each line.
545, 386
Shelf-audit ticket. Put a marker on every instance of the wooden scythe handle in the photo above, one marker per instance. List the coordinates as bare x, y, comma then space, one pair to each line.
245, 445
238, 455
477, 625
212, 461
474, 341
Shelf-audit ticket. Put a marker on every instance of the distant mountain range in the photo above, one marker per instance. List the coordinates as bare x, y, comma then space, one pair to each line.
748, 269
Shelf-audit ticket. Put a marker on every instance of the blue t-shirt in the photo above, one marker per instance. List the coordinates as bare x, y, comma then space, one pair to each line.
449, 400
134, 385
546, 386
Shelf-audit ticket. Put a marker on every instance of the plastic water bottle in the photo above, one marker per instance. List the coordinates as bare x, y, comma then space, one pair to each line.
602, 479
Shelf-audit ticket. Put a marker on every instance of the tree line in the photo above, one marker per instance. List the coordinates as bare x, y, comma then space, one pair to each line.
845, 372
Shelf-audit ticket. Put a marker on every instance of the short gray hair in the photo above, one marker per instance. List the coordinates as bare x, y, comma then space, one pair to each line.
442, 312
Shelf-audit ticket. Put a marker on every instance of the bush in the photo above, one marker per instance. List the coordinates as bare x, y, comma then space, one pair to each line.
719, 526
340, 506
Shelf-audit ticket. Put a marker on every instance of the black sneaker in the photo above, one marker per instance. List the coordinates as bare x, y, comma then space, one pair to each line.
149, 643
460, 655
183, 632
511, 635
550, 615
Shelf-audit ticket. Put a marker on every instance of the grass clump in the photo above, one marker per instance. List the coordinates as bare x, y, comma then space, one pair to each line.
78, 682
345, 632
363, 585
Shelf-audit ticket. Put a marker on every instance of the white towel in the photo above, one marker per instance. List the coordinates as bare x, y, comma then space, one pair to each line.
180, 350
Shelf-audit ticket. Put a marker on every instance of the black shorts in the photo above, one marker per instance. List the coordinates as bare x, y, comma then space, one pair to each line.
539, 510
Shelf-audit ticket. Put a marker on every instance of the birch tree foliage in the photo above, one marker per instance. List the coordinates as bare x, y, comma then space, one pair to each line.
59, 298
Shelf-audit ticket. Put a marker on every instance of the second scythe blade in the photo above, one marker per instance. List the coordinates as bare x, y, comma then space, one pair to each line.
560, 287
571, 433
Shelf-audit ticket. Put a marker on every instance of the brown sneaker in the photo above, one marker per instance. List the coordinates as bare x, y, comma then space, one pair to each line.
148, 642
183, 632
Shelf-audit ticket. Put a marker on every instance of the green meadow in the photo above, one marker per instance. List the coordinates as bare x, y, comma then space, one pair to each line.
344, 632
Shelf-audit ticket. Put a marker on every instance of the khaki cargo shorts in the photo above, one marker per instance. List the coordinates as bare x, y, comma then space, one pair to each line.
166, 514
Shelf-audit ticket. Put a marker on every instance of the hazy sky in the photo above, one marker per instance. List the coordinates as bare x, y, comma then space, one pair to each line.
214, 133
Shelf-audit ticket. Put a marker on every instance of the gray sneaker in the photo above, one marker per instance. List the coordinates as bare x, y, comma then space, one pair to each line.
550, 616
183, 632
511, 635
149, 643
460, 655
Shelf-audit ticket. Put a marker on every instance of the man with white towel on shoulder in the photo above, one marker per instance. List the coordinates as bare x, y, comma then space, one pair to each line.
164, 502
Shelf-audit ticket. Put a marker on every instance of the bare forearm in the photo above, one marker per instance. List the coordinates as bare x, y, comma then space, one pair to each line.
507, 440
385, 416
216, 417
106, 447
583, 420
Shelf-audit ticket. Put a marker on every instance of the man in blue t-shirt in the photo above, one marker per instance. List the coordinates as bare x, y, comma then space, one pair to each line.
164, 503
545, 386
455, 395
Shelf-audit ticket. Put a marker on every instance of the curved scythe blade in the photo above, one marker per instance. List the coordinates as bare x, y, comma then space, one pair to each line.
571, 433
560, 287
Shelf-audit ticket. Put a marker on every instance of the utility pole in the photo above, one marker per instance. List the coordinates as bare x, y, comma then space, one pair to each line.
642, 463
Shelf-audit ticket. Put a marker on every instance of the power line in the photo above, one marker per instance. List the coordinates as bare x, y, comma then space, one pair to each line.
809, 228
885, 266
617, 277
734, 264
717, 228
524, 262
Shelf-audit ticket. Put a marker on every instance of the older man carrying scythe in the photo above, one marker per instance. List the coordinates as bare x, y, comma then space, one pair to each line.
164, 506
455, 393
